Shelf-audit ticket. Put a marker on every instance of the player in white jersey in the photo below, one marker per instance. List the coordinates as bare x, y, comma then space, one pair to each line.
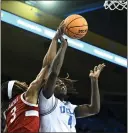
57, 115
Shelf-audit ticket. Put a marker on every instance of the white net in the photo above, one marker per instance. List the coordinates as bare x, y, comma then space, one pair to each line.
115, 4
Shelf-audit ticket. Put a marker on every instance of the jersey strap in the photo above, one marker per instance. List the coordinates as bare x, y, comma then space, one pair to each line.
56, 102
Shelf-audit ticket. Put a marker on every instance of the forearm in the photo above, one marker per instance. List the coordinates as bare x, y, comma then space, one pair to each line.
94, 107
95, 96
54, 71
51, 52
58, 61
40, 77
36, 85
31, 94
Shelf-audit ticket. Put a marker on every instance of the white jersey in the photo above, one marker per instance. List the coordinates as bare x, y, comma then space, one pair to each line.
55, 115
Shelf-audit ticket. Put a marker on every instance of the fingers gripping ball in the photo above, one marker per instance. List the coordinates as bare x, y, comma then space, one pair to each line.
75, 26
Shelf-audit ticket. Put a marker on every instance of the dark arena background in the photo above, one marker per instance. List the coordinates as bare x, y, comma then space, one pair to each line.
23, 49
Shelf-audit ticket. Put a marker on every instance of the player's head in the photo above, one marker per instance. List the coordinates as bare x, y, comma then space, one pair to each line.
60, 89
11, 89
64, 86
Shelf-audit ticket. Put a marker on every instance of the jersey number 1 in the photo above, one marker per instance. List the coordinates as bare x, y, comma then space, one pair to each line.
13, 113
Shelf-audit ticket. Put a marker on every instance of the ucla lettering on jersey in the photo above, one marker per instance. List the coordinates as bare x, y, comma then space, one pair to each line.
59, 118
67, 111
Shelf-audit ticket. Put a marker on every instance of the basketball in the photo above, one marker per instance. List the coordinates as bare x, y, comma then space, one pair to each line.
75, 26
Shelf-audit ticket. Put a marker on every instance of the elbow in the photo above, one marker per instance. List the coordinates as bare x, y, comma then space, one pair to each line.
96, 110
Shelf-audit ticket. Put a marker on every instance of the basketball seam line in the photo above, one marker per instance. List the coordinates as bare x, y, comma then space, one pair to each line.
74, 33
77, 26
67, 32
73, 20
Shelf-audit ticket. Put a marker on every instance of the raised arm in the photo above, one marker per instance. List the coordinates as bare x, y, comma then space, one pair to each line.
53, 46
51, 51
55, 69
94, 107
31, 94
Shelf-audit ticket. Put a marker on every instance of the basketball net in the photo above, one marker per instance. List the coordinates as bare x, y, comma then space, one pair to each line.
115, 4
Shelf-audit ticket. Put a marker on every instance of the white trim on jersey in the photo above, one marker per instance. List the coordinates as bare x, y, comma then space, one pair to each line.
30, 104
32, 113
10, 86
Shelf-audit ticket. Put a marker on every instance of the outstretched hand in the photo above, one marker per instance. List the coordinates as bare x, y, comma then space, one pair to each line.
97, 70
60, 30
61, 27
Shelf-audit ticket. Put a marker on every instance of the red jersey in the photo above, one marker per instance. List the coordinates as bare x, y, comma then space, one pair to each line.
22, 117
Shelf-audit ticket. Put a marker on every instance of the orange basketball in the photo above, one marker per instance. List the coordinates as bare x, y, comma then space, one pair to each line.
75, 26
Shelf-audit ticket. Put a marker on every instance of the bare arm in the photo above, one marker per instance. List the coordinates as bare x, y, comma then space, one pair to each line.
94, 107
51, 52
31, 94
55, 70
53, 46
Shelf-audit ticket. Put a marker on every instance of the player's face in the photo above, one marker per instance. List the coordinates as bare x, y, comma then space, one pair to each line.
60, 88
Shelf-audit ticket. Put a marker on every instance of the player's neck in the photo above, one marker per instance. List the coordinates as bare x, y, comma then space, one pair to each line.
60, 97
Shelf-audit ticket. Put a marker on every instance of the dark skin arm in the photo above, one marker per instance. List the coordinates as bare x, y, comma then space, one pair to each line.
55, 69
94, 108
51, 51
31, 95
50, 55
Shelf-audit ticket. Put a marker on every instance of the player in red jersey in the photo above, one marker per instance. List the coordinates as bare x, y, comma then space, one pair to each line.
22, 114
